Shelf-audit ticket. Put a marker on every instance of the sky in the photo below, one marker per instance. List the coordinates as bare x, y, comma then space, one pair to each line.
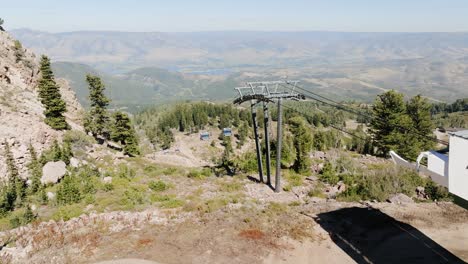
253, 15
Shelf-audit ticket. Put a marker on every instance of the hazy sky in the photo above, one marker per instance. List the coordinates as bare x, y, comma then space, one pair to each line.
208, 15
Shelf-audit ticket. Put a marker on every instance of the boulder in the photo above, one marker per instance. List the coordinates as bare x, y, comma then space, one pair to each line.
50, 195
52, 172
400, 199
107, 180
74, 162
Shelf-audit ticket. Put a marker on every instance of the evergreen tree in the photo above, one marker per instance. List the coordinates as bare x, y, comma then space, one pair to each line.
419, 110
68, 192
56, 151
398, 126
302, 144
16, 190
35, 169
49, 93
28, 216
1, 24
67, 152
122, 131
242, 134
19, 52
97, 119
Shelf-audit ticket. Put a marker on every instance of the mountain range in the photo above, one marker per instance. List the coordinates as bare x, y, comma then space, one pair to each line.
152, 67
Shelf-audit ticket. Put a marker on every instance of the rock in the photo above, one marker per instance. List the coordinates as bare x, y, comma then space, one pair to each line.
119, 155
400, 199
421, 192
114, 145
341, 187
107, 180
33, 207
74, 162
50, 195
52, 172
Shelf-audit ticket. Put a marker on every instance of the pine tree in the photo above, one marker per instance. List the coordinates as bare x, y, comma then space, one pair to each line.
16, 190
123, 132
67, 152
56, 151
49, 93
28, 215
35, 169
302, 144
97, 119
419, 110
393, 126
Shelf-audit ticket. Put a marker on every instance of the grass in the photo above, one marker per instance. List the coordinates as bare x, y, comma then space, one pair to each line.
158, 186
199, 174
230, 187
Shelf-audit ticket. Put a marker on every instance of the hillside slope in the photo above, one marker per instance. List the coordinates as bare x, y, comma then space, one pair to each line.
21, 113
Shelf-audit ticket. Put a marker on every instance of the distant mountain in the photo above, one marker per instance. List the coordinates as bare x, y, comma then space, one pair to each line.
348, 65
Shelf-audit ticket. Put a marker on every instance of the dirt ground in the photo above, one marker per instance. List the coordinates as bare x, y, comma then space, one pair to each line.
324, 232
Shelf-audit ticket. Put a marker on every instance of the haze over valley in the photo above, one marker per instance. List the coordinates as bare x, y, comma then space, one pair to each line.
208, 65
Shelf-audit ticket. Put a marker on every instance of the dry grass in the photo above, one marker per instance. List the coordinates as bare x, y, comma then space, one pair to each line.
253, 234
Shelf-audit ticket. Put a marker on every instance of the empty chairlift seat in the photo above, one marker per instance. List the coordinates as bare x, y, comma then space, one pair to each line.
227, 132
204, 136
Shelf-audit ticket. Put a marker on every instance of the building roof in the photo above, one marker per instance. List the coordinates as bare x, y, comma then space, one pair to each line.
462, 134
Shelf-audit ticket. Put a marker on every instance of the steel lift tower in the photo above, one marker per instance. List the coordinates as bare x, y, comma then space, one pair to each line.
264, 93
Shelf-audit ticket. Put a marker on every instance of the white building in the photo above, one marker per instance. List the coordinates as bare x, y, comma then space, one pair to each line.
458, 164
449, 170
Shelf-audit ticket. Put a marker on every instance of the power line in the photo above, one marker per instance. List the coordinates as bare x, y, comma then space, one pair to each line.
343, 107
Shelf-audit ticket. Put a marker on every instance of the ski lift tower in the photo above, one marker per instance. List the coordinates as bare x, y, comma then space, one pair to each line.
264, 93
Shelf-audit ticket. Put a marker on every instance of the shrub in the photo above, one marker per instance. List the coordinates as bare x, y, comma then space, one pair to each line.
172, 203
329, 174
158, 186
68, 191
78, 139
436, 192
67, 212
133, 196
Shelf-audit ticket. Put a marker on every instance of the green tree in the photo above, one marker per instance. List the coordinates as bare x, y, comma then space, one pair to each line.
49, 93
123, 132
28, 216
391, 126
419, 110
243, 133
68, 192
18, 49
67, 152
302, 144
35, 169
16, 186
97, 119
1, 24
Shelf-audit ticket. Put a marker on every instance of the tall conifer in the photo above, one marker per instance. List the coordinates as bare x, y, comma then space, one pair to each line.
97, 119
49, 93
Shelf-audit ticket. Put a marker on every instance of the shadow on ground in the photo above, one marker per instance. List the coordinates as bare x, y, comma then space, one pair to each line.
370, 236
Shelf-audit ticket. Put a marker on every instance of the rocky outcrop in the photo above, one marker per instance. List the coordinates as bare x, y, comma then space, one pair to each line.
21, 112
